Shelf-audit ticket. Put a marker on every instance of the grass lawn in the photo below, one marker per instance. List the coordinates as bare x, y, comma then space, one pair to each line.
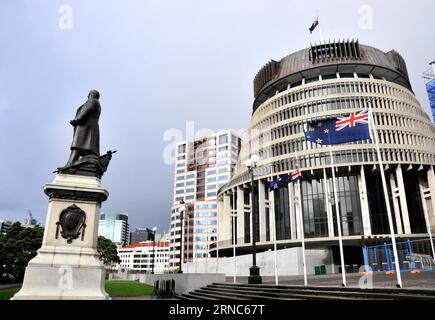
113, 288
120, 288
6, 294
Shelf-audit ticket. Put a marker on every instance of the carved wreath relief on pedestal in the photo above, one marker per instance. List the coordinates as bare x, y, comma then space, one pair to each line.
72, 221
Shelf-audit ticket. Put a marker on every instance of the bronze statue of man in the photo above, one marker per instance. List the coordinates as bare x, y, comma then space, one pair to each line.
86, 140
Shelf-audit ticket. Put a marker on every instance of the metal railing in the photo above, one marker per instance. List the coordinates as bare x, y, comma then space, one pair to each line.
164, 288
412, 254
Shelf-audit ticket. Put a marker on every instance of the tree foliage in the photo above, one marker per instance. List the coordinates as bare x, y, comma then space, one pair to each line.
107, 251
17, 247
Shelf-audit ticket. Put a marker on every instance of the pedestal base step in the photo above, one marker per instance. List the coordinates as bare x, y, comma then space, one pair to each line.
45, 282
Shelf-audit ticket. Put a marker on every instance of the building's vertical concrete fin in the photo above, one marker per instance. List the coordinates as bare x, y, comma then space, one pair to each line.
403, 202
396, 204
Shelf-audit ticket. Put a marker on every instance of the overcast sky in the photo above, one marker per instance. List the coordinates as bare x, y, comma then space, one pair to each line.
158, 64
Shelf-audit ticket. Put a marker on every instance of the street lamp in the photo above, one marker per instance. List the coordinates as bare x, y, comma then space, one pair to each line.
254, 271
153, 232
182, 209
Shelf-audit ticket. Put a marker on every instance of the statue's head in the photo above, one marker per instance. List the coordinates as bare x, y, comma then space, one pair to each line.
94, 94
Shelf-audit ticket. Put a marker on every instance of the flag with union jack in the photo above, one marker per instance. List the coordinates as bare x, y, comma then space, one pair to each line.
283, 181
295, 175
343, 129
352, 120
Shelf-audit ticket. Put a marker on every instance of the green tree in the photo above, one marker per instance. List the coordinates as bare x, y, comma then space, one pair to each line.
107, 251
17, 247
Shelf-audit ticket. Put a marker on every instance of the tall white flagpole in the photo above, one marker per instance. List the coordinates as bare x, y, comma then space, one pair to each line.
338, 218
274, 243
320, 27
321, 33
301, 223
217, 246
429, 231
387, 200
272, 210
233, 214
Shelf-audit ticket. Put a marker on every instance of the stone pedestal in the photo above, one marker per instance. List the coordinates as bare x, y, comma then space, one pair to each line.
67, 264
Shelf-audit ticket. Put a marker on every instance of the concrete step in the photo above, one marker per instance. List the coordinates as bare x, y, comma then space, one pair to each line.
428, 292
201, 296
185, 296
220, 295
326, 291
232, 295
278, 295
301, 293
225, 291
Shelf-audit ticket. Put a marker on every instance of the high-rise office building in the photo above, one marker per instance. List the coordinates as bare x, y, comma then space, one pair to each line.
4, 226
143, 234
321, 82
115, 227
139, 235
430, 87
201, 168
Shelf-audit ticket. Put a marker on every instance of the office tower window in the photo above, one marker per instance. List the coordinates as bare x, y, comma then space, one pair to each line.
223, 139
182, 148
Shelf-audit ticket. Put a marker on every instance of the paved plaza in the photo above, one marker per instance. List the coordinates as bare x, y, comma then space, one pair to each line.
424, 280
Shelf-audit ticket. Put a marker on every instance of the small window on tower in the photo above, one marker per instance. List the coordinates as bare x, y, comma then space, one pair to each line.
223, 139
182, 148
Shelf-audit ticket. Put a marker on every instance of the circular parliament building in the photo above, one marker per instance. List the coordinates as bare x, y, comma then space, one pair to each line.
323, 82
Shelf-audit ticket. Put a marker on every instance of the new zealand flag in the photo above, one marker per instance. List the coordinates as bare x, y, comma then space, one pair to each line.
282, 182
314, 25
344, 129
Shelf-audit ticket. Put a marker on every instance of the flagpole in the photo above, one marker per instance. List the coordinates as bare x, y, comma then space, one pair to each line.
387, 200
320, 26
301, 224
234, 234
217, 247
337, 213
429, 231
272, 210
321, 32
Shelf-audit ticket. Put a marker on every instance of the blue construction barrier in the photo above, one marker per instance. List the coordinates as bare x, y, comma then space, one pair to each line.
412, 255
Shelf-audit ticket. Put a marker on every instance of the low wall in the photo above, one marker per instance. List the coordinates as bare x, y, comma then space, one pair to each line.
289, 263
130, 275
184, 282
